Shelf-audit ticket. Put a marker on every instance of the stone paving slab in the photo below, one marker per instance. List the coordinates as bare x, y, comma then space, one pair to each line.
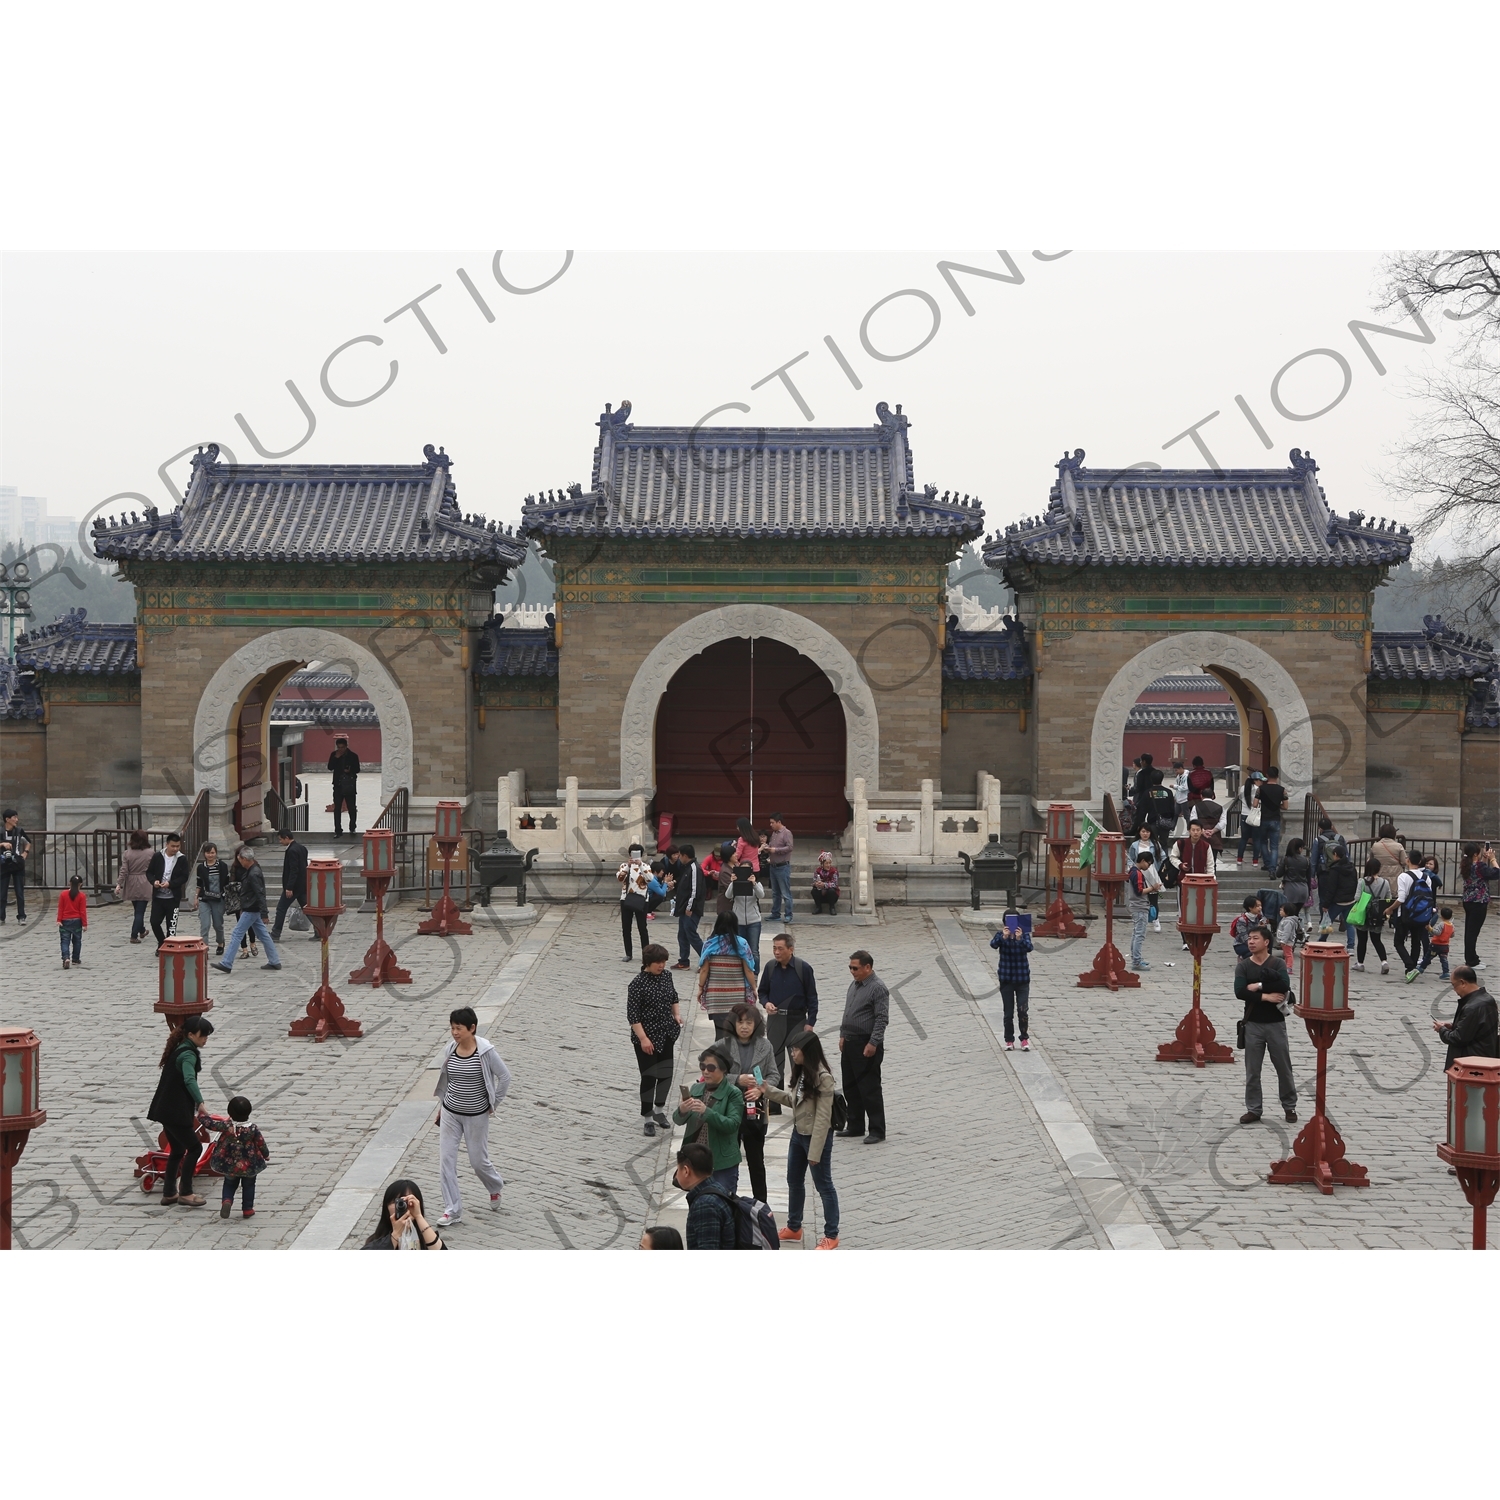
1171, 1131
319, 1104
966, 1163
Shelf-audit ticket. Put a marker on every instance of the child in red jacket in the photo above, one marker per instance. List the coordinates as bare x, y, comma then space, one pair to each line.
72, 918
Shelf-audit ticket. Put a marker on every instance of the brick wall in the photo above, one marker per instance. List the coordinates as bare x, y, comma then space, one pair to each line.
605, 644
427, 666
94, 750
1076, 670
516, 739
1480, 783
990, 742
23, 770
1414, 759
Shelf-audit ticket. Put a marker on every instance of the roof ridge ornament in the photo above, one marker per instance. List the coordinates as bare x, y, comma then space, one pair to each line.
208, 453
436, 457
1302, 463
891, 421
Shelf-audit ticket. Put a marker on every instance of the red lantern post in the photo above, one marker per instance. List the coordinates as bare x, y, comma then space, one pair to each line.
1198, 921
1059, 921
1473, 1145
20, 1109
380, 867
182, 979
324, 905
1318, 1153
446, 918
1109, 963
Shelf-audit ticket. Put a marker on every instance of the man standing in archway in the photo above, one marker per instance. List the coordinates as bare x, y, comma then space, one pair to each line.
344, 766
778, 860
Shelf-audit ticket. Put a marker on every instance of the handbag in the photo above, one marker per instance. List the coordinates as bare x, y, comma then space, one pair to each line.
1239, 1034
633, 901
1251, 818
1359, 911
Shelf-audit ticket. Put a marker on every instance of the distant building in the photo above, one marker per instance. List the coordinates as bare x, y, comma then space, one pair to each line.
24, 518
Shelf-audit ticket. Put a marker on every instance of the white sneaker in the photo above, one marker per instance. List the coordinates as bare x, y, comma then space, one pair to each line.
1156, 927
1385, 968
494, 1203
445, 1219
1359, 967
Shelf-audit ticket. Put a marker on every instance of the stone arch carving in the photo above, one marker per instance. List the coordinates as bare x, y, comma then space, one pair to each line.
213, 725
1196, 651
638, 722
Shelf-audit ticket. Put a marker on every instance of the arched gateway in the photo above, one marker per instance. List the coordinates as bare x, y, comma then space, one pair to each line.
1248, 574
686, 539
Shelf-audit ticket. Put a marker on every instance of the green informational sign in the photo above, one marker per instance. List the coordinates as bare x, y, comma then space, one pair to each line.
1091, 830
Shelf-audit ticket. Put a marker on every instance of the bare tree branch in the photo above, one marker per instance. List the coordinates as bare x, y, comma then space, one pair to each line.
1449, 465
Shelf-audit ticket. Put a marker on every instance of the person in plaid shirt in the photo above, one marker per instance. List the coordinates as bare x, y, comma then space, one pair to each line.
1013, 945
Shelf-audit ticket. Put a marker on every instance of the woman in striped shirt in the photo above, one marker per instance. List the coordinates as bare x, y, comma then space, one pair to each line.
726, 973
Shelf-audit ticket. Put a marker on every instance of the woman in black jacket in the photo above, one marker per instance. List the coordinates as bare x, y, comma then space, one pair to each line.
1296, 875
1338, 889
174, 1106
655, 1019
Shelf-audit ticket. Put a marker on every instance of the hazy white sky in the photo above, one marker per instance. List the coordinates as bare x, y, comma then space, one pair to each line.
113, 363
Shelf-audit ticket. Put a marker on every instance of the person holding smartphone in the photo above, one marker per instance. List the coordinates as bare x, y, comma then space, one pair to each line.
402, 1224
1476, 870
1263, 983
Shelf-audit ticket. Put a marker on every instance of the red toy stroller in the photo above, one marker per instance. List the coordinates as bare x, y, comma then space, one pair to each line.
152, 1164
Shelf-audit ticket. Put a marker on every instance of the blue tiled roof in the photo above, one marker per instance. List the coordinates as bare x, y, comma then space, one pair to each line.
1432, 654
19, 697
341, 713
1483, 711
1195, 518
73, 643
516, 653
752, 482
985, 655
1204, 716
313, 513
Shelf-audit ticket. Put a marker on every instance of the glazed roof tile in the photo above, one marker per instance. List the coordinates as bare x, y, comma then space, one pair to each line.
343, 713
74, 643
19, 695
516, 653
1433, 654
1207, 716
986, 656
1195, 518
283, 512
752, 482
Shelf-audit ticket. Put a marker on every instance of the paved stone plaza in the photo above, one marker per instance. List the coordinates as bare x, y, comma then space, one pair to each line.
1085, 1143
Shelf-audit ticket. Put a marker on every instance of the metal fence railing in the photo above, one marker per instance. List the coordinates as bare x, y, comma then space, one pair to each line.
1034, 854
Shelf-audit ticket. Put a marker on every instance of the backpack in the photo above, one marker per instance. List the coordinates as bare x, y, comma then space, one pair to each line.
1420, 903
754, 1223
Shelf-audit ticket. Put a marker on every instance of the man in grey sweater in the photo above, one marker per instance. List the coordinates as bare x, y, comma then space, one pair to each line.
862, 1048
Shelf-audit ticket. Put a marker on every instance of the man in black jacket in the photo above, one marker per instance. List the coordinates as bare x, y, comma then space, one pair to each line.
1262, 982
293, 879
13, 847
789, 992
688, 892
344, 766
1475, 1029
168, 873
253, 909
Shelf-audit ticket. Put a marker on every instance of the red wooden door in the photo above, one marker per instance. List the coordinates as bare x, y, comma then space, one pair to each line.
1255, 757
725, 718
250, 812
